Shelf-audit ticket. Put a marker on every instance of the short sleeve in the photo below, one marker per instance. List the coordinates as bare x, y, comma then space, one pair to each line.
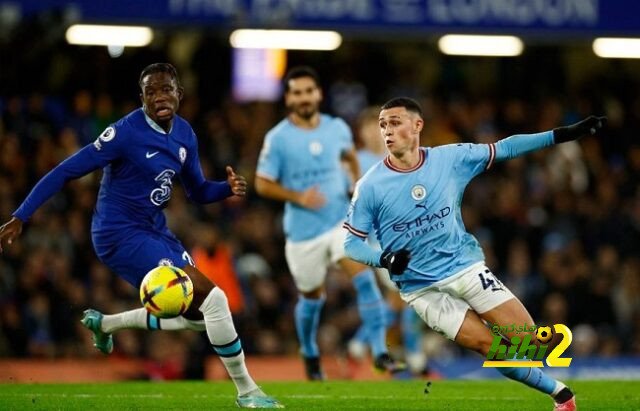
270, 160
361, 210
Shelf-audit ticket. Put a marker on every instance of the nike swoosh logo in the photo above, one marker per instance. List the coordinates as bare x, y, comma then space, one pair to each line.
149, 155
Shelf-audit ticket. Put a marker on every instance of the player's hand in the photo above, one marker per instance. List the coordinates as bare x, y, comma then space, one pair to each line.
311, 198
237, 182
590, 126
10, 231
395, 261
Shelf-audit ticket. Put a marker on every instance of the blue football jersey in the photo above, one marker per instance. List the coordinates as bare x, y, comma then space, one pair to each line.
299, 159
419, 210
140, 162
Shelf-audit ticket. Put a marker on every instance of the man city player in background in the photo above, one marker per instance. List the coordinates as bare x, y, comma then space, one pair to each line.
301, 164
411, 200
141, 155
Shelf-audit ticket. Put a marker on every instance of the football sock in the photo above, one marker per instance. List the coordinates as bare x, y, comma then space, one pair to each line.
225, 341
361, 334
533, 377
307, 318
389, 319
371, 309
142, 319
411, 338
410, 330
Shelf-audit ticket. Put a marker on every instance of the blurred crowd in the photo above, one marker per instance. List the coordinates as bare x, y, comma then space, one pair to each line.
561, 227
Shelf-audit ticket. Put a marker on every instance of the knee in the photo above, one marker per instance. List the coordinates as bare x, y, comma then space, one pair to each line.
202, 286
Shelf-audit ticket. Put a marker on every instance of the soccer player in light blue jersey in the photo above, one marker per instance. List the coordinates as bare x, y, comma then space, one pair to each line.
301, 164
372, 152
141, 155
411, 201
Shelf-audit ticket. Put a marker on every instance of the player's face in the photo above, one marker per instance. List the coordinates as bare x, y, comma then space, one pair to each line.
400, 130
160, 97
303, 97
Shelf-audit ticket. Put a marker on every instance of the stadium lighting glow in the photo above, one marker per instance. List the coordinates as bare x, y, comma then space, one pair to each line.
611, 47
285, 39
99, 35
473, 45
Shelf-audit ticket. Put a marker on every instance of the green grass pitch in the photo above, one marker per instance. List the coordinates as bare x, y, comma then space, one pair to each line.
334, 395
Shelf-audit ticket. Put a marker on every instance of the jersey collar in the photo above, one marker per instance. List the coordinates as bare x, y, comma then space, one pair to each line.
155, 125
423, 157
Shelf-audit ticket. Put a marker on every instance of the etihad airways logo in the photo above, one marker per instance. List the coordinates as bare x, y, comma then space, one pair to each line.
423, 224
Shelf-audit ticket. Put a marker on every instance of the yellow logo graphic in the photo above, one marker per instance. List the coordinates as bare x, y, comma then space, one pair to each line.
522, 348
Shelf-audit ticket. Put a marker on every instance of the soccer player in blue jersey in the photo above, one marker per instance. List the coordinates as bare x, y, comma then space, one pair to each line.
411, 200
300, 164
141, 154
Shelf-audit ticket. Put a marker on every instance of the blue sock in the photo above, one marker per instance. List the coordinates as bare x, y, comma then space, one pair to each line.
410, 330
361, 334
390, 316
307, 317
533, 377
371, 309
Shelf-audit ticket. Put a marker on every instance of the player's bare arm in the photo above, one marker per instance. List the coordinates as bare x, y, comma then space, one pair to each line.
351, 158
309, 198
10, 230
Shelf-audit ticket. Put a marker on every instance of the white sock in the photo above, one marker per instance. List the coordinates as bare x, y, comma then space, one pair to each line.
142, 319
225, 341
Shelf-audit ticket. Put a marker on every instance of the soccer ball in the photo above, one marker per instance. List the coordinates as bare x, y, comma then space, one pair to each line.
166, 291
544, 334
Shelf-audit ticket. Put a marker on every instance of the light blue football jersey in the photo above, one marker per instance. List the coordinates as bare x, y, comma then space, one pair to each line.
368, 159
299, 159
419, 210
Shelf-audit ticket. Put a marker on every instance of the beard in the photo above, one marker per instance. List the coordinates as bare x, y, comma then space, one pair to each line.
306, 111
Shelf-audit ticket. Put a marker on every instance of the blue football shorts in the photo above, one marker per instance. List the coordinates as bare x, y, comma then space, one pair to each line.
132, 253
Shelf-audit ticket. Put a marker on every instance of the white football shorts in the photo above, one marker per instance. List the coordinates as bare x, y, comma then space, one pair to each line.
308, 260
443, 305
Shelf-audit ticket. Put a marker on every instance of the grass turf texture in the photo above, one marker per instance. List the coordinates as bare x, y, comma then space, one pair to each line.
334, 395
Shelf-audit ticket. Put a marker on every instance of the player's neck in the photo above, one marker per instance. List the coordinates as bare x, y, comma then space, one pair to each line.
407, 160
165, 125
308, 123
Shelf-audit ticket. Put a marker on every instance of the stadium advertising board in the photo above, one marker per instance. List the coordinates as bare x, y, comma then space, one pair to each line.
557, 17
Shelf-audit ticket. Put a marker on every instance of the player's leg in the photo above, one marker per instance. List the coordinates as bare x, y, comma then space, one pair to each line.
410, 326
141, 319
358, 346
131, 259
513, 312
307, 318
370, 305
308, 268
497, 305
211, 303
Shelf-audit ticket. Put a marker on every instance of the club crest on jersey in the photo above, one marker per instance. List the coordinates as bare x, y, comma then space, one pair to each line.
182, 153
165, 261
315, 148
418, 192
